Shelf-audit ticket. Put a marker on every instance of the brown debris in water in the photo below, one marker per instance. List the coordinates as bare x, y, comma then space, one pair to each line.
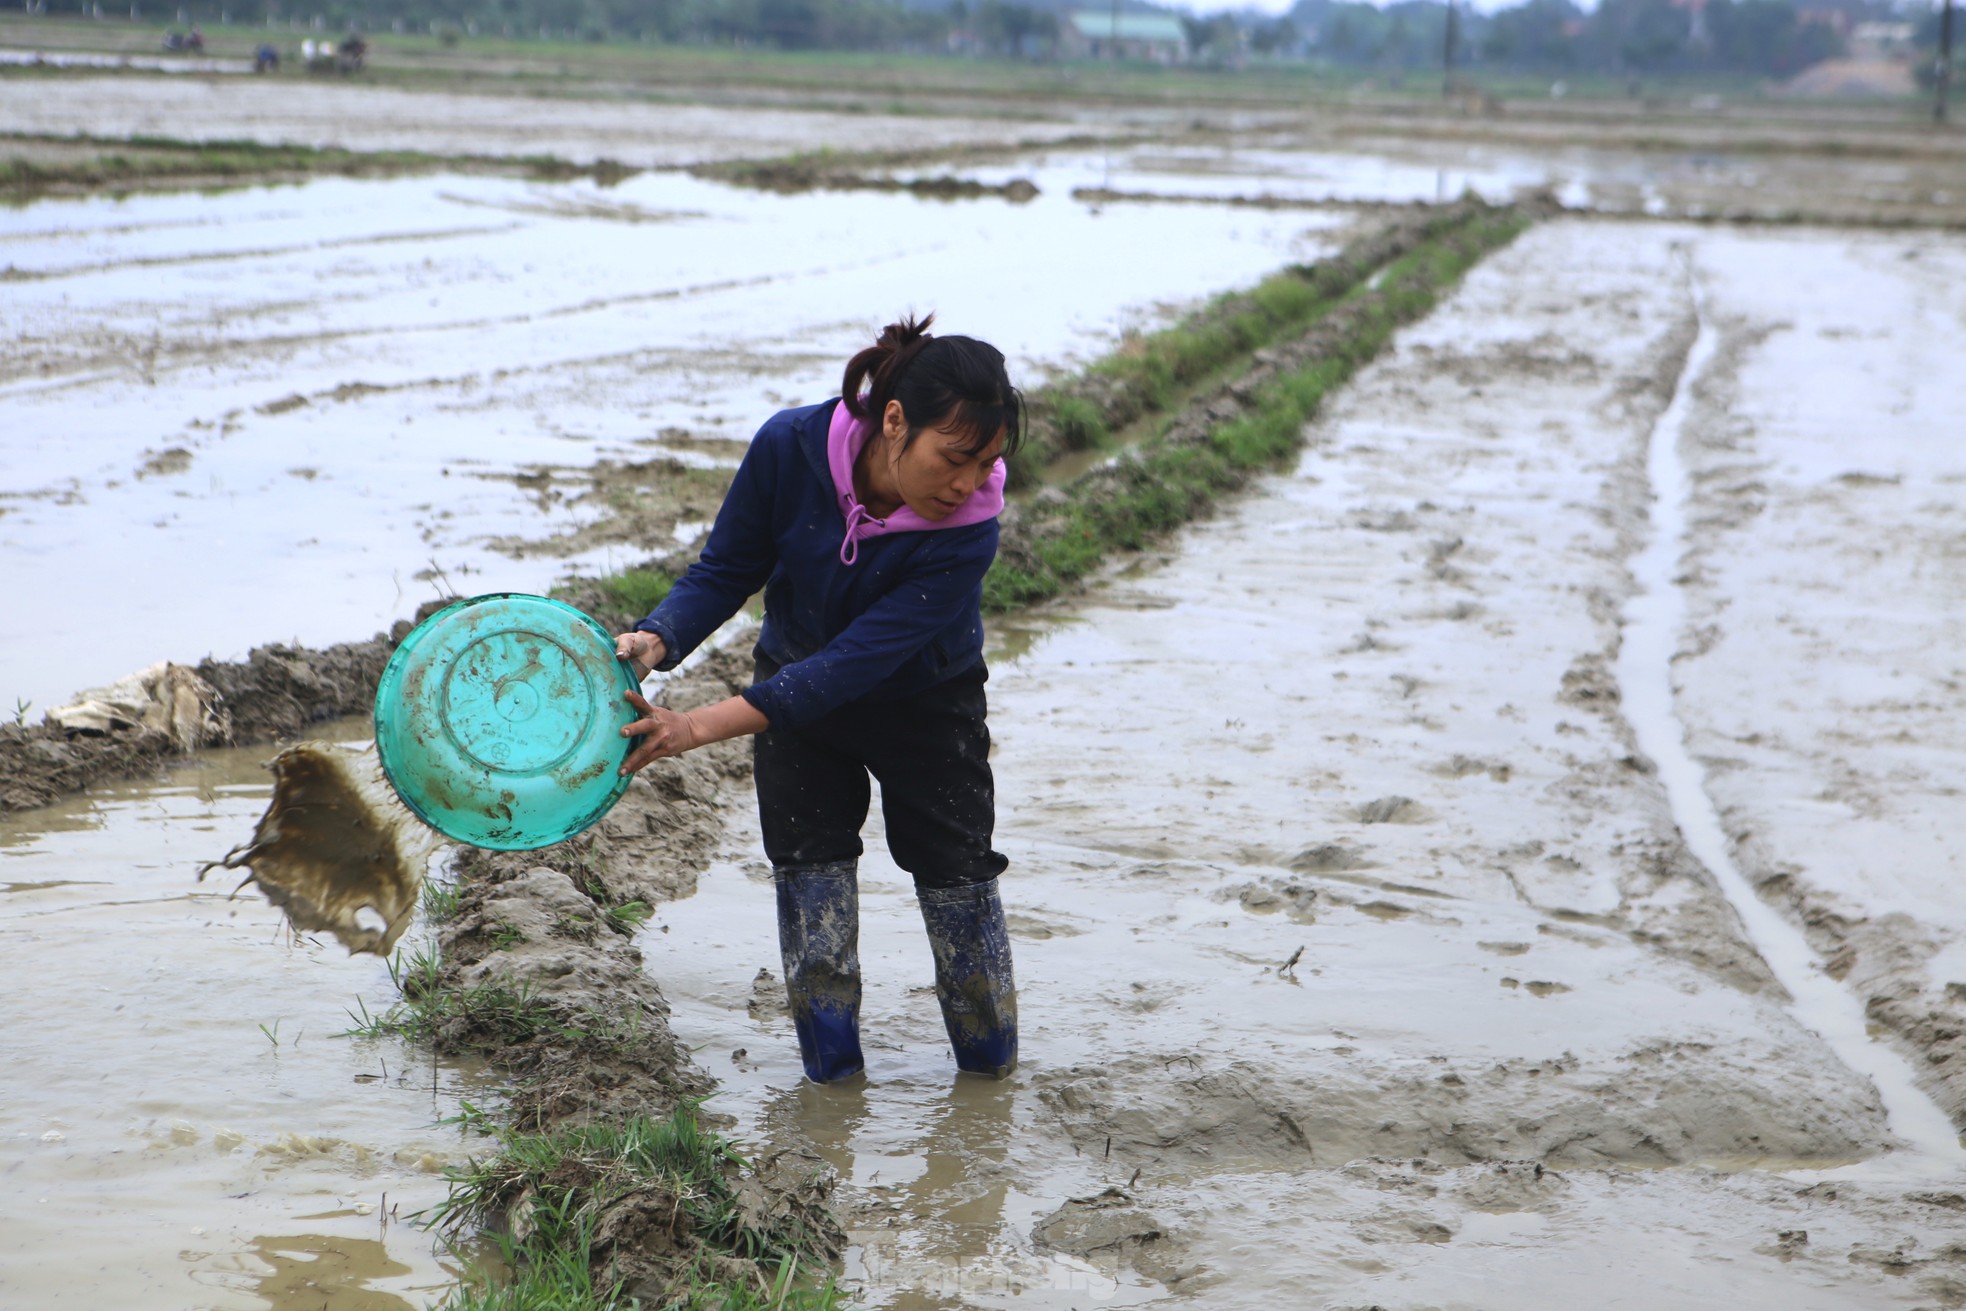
332, 844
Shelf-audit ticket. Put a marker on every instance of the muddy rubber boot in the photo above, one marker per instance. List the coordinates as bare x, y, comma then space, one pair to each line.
819, 938
972, 975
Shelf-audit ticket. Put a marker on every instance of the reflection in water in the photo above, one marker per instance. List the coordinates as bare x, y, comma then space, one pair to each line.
963, 1181
826, 1115
939, 1237
316, 1272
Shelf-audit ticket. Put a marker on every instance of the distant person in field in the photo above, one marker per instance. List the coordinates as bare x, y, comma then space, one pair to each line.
869, 521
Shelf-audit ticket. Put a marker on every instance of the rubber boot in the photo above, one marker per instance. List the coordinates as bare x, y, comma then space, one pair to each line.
972, 975
819, 937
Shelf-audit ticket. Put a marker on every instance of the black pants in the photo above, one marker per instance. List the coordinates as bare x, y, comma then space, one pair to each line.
931, 753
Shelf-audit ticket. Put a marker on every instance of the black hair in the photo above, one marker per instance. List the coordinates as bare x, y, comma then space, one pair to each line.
935, 378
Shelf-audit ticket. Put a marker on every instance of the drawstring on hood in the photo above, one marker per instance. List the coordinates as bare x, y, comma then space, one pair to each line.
857, 518
845, 438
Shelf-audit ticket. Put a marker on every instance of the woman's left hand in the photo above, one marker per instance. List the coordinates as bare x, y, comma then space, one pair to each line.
664, 732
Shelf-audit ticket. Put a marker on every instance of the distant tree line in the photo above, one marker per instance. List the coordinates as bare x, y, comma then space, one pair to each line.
1763, 37
1767, 37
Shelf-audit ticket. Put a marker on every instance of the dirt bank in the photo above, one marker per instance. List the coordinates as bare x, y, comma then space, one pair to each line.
272, 695
40, 165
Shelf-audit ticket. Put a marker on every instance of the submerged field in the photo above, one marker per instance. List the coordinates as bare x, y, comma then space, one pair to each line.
1374, 939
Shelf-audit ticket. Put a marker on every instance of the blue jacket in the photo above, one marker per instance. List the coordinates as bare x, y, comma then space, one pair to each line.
906, 615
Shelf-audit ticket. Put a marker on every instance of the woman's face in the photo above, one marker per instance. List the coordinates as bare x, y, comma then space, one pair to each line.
934, 475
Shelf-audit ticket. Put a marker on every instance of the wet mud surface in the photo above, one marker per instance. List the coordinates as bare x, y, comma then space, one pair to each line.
1358, 946
1835, 780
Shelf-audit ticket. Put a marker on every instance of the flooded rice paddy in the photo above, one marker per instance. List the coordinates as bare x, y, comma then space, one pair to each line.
1360, 946
315, 400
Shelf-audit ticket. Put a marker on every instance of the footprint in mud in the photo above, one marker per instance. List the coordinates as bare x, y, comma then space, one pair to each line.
1407, 1227
768, 997
1463, 766
1788, 1244
1514, 1186
1034, 929
1270, 899
1537, 987
1148, 998
1330, 856
1394, 810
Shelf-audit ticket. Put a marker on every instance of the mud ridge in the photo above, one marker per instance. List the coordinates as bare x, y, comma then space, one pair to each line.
830, 170
275, 693
80, 164
535, 969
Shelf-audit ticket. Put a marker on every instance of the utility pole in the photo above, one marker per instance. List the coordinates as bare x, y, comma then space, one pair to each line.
1447, 56
1944, 70
1113, 32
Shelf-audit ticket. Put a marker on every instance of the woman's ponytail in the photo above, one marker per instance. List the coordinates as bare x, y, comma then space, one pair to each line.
956, 381
871, 375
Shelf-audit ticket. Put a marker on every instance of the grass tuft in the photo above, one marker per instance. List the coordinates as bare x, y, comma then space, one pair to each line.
488, 1017
636, 591
568, 1208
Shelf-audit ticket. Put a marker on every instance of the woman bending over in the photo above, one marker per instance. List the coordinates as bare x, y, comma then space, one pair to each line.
869, 521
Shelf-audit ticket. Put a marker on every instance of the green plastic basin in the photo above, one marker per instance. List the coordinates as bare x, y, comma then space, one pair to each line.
498, 721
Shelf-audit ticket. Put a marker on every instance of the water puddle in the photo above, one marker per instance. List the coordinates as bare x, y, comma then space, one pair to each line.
1654, 625
148, 63
180, 1084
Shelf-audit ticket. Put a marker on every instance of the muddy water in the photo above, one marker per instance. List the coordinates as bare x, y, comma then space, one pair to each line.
1360, 948
314, 399
182, 1126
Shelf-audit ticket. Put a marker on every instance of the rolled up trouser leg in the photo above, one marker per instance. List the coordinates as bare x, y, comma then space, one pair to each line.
973, 978
819, 938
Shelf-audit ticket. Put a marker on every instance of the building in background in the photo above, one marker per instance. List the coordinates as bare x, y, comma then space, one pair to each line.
1100, 34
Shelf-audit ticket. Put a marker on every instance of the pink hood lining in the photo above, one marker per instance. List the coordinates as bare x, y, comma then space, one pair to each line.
844, 439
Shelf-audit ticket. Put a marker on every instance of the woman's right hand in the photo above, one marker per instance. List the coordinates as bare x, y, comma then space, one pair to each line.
642, 650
